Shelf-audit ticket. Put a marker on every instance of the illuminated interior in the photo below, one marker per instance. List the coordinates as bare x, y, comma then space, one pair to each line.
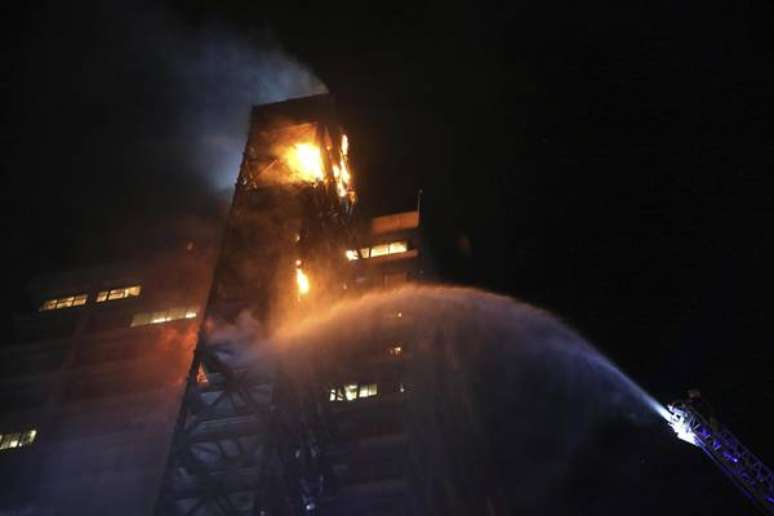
118, 293
163, 316
397, 247
17, 439
353, 391
63, 302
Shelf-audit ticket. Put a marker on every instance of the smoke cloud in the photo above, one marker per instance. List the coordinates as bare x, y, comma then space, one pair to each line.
221, 74
210, 75
133, 116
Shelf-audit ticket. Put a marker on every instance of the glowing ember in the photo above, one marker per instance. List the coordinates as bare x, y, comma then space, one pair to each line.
302, 280
341, 171
305, 161
201, 376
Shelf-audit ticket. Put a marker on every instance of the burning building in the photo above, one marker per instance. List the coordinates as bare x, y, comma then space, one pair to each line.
252, 437
130, 389
179, 388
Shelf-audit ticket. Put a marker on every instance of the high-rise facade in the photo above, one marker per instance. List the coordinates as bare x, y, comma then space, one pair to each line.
91, 385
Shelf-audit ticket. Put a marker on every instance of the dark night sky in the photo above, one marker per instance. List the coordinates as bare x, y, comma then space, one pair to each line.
611, 161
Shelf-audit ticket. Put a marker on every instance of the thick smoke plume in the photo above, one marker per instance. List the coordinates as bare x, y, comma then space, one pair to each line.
140, 115
221, 74
210, 76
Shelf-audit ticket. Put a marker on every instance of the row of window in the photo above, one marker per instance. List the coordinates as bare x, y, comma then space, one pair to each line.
58, 303
162, 316
17, 439
63, 302
378, 250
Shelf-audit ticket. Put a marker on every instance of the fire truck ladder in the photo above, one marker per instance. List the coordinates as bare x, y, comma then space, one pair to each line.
749, 474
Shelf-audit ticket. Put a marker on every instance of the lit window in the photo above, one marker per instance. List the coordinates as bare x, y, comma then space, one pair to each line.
118, 293
177, 313
380, 250
366, 391
28, 437
141, 319
63, 302
9, 441
162, 316
352, 392
17, 439
398, 247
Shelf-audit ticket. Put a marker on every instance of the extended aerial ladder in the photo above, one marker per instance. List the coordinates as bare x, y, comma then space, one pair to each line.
693, 422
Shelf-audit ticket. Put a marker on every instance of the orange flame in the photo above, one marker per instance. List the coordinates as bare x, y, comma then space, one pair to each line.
302, 280
341, 170
305, 162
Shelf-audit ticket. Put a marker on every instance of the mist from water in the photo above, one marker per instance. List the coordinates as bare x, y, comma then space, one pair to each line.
464, 320
504, 395
505, 405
